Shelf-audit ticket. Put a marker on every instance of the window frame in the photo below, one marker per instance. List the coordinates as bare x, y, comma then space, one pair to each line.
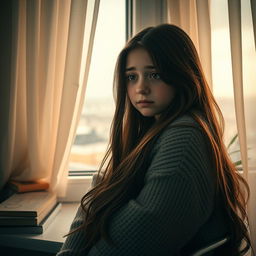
78, 185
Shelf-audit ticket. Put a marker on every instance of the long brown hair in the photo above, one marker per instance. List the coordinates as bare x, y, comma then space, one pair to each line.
133, 136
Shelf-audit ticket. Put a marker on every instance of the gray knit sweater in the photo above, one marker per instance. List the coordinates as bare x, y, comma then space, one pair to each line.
176, 211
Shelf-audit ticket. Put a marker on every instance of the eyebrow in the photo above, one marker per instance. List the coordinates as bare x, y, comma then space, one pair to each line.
146, 67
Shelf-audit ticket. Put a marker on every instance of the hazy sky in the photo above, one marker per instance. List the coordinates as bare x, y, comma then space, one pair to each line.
221, 66
109, 40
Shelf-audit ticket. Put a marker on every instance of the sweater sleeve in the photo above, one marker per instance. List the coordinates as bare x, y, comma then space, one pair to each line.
75, 243
176, 200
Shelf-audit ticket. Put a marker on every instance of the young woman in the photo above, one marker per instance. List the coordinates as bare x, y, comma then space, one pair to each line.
167, 186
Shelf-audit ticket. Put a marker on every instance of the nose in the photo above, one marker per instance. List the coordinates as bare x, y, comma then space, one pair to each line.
142, 87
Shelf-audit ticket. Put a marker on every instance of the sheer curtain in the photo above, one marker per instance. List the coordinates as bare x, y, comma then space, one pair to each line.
48, 84
243, 64
194, 16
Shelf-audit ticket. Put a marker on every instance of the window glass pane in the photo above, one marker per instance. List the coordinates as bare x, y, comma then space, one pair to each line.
249, 81
222, 73
93, 131
222, 70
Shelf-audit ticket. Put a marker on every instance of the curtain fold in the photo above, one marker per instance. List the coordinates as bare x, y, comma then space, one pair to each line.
241, 98
193, 16
47, 86
253, 11
62, 156
234, 11
204, 37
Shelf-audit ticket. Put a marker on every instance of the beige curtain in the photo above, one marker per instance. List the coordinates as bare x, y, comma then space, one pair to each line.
234, 8
245, 100
48, 86
253, 10
193, 16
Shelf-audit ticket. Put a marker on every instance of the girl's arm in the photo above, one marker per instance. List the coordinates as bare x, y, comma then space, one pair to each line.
75, 243
175, 202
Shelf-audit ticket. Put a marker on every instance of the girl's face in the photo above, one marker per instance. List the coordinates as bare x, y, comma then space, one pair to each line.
146, 90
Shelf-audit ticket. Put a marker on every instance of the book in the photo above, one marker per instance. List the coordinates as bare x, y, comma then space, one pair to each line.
38, 229
31, 204
18, 221
27, 209
28, 186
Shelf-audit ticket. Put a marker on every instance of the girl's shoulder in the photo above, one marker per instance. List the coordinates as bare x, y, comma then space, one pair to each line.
180, 130
180, 126
182, 143
185, 120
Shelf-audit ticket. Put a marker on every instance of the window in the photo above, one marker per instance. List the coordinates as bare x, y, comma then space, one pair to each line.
222, 73
93, 130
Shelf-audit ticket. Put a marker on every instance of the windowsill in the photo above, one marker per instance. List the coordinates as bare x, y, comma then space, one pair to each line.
51, 240
76, 188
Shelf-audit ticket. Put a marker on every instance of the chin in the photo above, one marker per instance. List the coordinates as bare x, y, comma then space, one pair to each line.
147, 115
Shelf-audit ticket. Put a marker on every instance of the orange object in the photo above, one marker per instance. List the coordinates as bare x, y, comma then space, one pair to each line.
29, 186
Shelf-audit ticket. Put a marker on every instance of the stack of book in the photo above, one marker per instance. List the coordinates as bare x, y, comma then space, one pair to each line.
28, 213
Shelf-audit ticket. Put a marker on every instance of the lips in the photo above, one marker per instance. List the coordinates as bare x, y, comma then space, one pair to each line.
144, 103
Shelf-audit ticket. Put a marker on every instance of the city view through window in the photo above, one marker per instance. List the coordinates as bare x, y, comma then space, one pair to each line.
93, 130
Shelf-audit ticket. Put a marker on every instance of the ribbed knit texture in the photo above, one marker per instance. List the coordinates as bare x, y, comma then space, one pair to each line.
175, 208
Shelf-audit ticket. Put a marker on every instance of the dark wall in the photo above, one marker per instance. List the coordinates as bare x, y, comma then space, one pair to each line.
5, 59
5, 74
